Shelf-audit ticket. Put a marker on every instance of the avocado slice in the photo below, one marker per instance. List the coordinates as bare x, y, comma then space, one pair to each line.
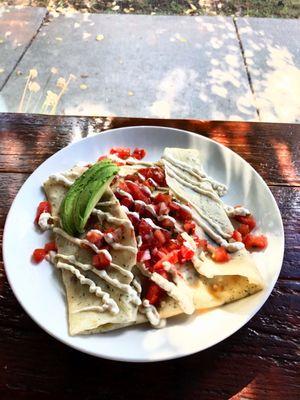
92, 193
90, 182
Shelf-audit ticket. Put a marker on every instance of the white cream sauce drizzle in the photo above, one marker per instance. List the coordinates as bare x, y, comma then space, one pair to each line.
107, 203
197, 173
136, 284
151, 314
108, 303
236, 211
43, 221
124, 287
106, 216
185, 182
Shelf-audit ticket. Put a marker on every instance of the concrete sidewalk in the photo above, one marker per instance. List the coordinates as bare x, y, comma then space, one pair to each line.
151, 66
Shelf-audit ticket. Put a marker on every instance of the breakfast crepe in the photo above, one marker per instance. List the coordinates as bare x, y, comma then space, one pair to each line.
83, 306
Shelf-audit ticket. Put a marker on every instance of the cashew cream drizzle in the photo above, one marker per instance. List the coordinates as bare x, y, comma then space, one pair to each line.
197, 173
152, 314
43, 221
107, 203
108, 303
106, 216
136, 284
186, 182
60, 178
124, 287
236, 211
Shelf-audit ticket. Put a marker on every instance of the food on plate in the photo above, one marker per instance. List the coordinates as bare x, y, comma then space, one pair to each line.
139, 241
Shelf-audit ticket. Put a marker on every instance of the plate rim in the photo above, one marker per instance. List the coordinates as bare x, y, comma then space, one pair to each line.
178, 354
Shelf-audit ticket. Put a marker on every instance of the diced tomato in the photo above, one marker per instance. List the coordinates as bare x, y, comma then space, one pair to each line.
143, 255
201, 243
139, 154
162, 209
237, 236
258, 242
136, 192
185, 254
189, 227
163, 273
38, 255
50, 246
144, 228
134, 219
153, 293
95, 238
125, 201
44, 206
183, 215
132, 178
172, 245
114, 234
243, 229
174, 206
249, 220
171, 257
161, 197
167, 223
160, 237
101, 261
121, 152
155, 173
220, 255
123, 186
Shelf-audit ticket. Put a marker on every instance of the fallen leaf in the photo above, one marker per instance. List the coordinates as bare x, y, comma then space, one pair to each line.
86, 35
1, 40
2, 70
76, 25
130, 93
83, 86
99, 37
54, 70
115, 8
61, 83
84, 76
126, 10
59, 39
33, 73
19, 73
34, 87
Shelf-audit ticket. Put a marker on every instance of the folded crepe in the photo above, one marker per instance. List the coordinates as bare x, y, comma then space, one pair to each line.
85, 311
201, 284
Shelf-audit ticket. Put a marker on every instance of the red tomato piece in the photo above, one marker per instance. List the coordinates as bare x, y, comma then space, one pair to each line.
144, 228
50, 246
189, 227
160, 237
139, 154
171, 257
136, 192
121, 152
44, 206
185, 254
258, 242
143, 255
95, 238
101, 261
167, 223
183, 215
125, 201
174, 206
201, 243
249, 220
237, 236
38, 255
162, 198
243, 229
162, 209
220, 254
153, 293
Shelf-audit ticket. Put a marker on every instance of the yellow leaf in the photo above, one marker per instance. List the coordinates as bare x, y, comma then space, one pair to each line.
1, 40
54, 70
115, 8
99, 38
2, 70
34, 87
58, 38
83, 86
33, 73
130, 93
61, 83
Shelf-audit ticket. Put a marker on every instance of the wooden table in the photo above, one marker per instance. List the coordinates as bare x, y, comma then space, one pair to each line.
258, 362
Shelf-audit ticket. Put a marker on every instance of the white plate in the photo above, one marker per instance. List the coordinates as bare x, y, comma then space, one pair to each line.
39, 289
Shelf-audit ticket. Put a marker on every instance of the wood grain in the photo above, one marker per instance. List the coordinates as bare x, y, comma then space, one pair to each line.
261, 361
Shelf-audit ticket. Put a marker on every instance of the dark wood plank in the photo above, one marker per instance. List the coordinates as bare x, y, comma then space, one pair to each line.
271, 149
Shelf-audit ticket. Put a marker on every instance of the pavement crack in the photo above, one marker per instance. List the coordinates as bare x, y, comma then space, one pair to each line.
246, 66
25, 50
